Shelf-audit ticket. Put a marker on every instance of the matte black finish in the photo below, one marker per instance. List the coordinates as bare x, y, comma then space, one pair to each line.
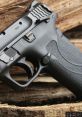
35, 36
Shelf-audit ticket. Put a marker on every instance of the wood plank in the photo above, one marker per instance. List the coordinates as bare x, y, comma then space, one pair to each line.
38, 93
74, 33
67, 11
77, 43
40, 111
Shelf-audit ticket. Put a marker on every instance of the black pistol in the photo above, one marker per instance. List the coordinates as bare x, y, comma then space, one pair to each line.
35, 37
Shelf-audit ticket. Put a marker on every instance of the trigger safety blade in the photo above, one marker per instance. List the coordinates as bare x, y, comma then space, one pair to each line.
26, 66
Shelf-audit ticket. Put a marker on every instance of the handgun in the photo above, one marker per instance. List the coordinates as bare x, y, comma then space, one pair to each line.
36, 38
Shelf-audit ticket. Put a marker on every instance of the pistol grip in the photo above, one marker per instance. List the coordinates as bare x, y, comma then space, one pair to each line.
66, 63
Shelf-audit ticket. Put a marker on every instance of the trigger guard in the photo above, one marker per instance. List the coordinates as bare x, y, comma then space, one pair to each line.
16, 85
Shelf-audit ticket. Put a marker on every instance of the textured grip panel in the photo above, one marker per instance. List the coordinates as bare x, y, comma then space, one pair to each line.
67, 55
66, 64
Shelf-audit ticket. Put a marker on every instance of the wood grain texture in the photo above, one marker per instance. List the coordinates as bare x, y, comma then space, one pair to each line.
40, 111
40, 92
67, 11
77, 43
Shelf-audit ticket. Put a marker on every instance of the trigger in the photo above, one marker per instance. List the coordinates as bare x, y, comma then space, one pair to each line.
26, 66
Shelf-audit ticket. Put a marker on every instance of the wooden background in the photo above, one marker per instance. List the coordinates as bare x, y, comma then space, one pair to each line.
45, 97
